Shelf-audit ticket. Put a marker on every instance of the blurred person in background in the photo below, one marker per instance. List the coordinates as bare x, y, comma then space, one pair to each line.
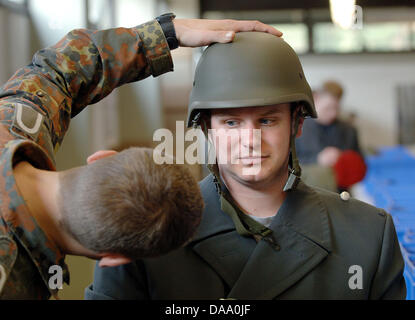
120, 206
329, 147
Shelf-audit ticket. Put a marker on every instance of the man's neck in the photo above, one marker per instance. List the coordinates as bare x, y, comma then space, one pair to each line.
260, 200
39, 189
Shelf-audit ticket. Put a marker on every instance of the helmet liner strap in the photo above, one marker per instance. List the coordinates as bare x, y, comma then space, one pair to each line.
295, 169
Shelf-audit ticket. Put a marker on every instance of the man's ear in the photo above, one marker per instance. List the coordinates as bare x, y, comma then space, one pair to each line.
300, 127
99, 155
113, 260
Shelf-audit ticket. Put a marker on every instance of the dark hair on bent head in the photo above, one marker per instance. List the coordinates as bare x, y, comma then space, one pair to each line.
128, 204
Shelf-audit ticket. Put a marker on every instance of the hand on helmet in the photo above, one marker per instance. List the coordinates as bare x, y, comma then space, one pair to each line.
202, 32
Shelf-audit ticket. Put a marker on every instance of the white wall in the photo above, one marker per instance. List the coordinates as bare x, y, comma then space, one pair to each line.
52, 20
14, 43
370, 82
139, 103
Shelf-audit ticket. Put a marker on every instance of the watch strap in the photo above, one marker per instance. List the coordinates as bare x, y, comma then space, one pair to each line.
166, 23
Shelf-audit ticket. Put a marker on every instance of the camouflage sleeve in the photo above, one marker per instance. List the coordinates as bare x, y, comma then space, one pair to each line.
8, 253
83, 68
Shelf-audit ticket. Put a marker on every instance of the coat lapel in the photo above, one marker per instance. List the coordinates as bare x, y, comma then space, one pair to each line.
217, 241
227, 254
258, 271
301, 229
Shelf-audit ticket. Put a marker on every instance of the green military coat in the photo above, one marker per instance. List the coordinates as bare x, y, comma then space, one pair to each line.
329, 249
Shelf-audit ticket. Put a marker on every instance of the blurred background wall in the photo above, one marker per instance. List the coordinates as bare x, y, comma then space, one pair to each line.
374, 61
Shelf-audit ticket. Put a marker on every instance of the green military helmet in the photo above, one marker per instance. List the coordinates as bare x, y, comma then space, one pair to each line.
256, 69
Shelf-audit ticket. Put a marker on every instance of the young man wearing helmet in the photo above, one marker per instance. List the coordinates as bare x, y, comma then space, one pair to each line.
265, 235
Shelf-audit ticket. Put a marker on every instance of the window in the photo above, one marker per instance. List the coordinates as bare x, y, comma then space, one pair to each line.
329, 38
296, 35
390, 36
312, 31
373, 37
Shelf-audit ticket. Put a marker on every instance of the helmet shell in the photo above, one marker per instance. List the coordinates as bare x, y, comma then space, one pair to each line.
256, 69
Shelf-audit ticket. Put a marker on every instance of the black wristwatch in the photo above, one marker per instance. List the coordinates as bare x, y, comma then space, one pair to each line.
166, 23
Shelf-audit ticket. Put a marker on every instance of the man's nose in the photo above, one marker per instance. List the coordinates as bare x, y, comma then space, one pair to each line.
250, 136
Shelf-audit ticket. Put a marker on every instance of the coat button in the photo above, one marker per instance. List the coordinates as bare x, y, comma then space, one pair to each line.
40, 93
345, 196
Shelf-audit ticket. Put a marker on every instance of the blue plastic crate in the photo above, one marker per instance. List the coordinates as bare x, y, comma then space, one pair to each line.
410, 286
390, 181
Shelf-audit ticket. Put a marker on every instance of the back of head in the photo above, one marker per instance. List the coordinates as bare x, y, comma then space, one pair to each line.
128, 204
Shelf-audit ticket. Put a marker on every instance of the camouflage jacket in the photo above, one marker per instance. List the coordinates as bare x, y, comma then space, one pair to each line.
36, 106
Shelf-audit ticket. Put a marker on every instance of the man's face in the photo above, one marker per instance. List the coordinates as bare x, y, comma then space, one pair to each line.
327, 107
267, 153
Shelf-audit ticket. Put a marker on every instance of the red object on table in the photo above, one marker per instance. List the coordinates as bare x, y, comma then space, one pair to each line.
349, 169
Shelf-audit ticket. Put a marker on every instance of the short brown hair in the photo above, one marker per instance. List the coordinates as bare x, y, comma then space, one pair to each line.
128, 204
334, 88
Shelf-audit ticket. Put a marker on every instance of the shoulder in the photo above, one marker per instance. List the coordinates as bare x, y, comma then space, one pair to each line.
359, 232
207, 186
210, 195
351, 212
345, 126
206, 181
349, 204
310, 125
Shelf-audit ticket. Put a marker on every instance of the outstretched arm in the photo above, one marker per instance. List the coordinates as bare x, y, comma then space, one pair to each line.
86, 65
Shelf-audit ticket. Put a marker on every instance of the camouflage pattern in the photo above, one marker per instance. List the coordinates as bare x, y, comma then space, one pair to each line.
36, 106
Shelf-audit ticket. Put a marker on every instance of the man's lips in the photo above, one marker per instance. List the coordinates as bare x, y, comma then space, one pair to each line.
252, 160
255, 157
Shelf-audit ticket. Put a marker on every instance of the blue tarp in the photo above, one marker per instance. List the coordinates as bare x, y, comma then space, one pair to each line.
390, 182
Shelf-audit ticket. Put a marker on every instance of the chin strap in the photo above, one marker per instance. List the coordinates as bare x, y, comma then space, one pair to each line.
295, 169
244, 224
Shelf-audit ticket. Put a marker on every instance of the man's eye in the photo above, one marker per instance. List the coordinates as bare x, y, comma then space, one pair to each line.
266, 121
231, 123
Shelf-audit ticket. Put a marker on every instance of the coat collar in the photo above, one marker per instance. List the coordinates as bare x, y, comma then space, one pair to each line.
303, 211
256, 270
214, 220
